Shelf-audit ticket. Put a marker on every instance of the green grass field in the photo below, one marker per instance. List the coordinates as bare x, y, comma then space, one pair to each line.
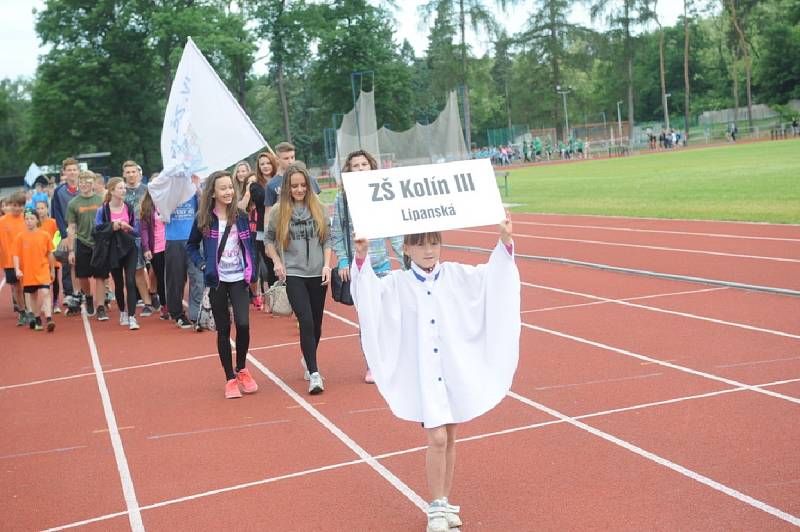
752, 182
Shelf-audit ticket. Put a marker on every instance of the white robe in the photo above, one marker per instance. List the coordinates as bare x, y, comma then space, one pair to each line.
443, 350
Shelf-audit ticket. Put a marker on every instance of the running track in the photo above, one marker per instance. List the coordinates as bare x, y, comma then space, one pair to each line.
639, 403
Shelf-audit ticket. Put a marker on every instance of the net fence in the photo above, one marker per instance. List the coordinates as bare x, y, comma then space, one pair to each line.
440, 141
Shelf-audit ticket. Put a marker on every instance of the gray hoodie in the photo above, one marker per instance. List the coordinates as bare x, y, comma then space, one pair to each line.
304, 256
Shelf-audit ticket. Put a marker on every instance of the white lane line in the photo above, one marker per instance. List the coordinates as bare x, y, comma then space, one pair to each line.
160, 363
669, 220
367, 410
218, 429
210, 493
343, 319
134, 513
642, 246
637, 298
756, 362
408, 451
48, 451
390, 477
713, 484
601, 381
665, 311
684, 369
634, 230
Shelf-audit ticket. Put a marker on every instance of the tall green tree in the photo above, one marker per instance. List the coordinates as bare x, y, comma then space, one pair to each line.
14, 109
623, 17
549, 33
480, 19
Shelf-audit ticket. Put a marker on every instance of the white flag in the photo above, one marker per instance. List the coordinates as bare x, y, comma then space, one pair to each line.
33, 172
204, 130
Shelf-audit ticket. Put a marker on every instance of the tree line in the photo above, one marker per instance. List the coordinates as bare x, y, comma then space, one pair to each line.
103, 84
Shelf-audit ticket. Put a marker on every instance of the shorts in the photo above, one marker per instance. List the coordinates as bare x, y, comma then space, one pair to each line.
11, 276
35, 288
139, 255
83, 262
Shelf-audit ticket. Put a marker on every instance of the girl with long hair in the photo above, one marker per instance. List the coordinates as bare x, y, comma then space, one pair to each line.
121, 217
342, 232
154, 243
298, 241
242, 177
227, 262
266, 166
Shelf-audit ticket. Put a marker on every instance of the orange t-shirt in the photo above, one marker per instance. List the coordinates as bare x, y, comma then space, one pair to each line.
33, 249
49, 226
10, 227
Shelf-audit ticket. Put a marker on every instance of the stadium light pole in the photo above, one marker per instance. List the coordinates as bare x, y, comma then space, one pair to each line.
563, 91
619, 120
666, 107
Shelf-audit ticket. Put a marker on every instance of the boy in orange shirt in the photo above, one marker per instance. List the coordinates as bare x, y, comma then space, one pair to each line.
11, 225
49, 226
34, 266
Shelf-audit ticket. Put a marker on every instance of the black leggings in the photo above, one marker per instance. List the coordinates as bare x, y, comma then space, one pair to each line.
269, 265
158, 263
126, 284
307, 297
56, 285
236, 294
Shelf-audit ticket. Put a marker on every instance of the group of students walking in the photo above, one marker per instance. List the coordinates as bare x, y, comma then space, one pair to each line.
441, 340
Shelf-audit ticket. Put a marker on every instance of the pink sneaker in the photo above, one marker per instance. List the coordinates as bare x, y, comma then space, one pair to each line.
258, 302
246, 381
232, 389
368, 377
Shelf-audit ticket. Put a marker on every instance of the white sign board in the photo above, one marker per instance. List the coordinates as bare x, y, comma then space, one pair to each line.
421, 199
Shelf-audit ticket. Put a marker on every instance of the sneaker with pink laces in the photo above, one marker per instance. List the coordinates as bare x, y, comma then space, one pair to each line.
246, 381
232, 389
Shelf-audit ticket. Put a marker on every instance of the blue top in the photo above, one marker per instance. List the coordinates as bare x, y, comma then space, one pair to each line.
181, 219
58, 207
273, 189
36, 198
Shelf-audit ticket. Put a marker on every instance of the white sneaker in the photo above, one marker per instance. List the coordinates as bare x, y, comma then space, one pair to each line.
315, 383
451, 514
123, 318
306, 374
440, 508
132, 324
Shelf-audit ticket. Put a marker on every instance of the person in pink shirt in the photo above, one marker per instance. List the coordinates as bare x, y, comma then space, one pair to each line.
154, 243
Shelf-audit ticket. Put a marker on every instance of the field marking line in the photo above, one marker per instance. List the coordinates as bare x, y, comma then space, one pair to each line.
756, 362
637, 298
134, 513
653, 218
670, 365
209, 493
693, 475
409, 451
687, 233
159, 363
47, 451
217, 429
390, 477
600, 381
641, 246
665, 311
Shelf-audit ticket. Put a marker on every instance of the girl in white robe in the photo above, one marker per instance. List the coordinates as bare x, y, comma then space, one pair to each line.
442, 341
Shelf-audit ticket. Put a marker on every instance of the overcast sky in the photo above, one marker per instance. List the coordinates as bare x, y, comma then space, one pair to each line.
19, 45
